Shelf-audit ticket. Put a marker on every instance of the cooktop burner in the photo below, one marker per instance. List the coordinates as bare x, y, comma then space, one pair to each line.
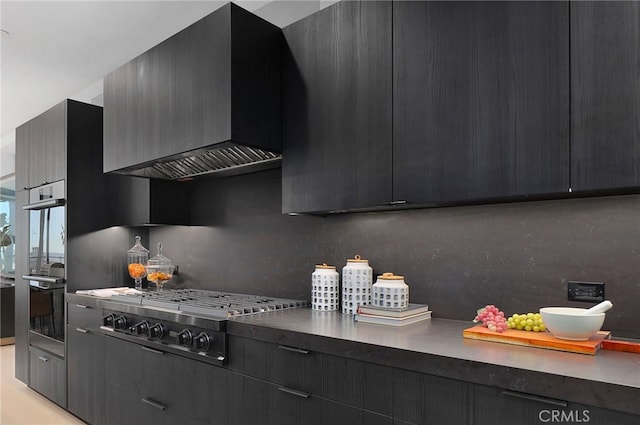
206, 303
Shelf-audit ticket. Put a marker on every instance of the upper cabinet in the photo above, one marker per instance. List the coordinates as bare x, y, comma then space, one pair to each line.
480, 100
605, 95
41, 145
337, 148
205, 100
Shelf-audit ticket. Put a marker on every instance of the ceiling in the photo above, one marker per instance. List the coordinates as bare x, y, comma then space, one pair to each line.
62, 49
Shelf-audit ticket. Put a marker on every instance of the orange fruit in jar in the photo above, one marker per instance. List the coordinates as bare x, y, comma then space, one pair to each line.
156, 276
136, 270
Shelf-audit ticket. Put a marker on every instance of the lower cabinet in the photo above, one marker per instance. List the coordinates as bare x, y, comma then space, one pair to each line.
293, 385
149, 386
86, 374
427, 399
47, 376
492, 405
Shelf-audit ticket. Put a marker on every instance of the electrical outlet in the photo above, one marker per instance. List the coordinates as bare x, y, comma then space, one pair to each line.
585, 291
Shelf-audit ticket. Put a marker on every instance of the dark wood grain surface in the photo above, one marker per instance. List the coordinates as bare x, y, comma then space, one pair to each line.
480, 100
337, 108
605, 95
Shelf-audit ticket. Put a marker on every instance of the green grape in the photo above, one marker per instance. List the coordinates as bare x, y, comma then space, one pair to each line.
531, 322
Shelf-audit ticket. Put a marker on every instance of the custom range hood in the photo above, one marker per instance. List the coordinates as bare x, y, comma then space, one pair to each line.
205, 102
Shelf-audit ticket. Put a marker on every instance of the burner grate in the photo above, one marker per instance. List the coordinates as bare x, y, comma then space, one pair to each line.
209, 303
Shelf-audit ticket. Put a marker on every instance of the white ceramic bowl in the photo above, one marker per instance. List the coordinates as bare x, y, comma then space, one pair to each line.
569, 323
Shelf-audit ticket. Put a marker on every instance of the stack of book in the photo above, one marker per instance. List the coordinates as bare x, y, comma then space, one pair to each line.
393, 316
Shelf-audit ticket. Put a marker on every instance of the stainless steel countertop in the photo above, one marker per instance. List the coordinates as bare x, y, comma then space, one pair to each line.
608, 379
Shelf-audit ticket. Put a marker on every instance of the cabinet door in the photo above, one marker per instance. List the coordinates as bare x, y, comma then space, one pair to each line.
86, 374
605, 95
426, 399
295, 368
496, 406
121, 116
359, 384
480, 100
166, 388
22, 290
22, 157
56, 142
47, 146
47, 376
337, 109
38, 150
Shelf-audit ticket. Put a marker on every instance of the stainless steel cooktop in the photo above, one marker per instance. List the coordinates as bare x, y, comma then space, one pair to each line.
210, 304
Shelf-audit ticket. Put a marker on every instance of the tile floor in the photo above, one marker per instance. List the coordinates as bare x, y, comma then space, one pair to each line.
20, 405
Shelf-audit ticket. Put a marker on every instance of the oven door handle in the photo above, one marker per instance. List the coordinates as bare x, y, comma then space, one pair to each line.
49, 203
44, 279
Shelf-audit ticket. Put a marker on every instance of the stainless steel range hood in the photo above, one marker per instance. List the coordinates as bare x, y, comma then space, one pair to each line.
219, 160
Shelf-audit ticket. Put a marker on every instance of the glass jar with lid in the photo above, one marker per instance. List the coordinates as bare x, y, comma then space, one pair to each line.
137, 258
159, 269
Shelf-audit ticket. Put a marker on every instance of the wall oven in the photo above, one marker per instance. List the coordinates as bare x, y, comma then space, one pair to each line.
46, 278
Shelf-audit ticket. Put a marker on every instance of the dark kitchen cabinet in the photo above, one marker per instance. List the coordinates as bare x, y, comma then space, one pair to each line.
21, 291
481, 100
22, 157
47, 146
337, 110
364, 385
47, 375
65, 143
85, 374
605, 95
422, 399
296, 368
151, 386
492, 405
85, 364
296, 385
216, 81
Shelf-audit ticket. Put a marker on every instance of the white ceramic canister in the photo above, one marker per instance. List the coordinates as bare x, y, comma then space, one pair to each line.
390, 291
325, 288
357, 282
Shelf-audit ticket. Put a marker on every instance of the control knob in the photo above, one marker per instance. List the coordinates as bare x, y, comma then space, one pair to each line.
141, 328
108, 320
202, 342
156, 331
120, 323
184, 337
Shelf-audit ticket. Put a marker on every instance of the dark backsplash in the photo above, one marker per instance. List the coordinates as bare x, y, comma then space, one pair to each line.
518, 256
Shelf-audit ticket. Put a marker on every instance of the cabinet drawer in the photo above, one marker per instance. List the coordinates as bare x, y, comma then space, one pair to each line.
427, 399
247, 356
164, 384
494, 405
48, 376
84, 316
360, 384
295, 368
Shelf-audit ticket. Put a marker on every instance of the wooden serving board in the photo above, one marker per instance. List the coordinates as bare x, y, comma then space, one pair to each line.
537, 339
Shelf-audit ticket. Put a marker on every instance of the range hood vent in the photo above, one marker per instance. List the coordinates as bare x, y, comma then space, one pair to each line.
220, 160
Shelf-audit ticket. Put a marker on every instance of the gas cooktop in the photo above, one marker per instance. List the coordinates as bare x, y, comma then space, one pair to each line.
210, 304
